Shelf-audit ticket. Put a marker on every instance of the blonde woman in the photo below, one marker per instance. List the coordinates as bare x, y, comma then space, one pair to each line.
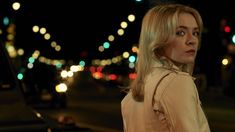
163, 97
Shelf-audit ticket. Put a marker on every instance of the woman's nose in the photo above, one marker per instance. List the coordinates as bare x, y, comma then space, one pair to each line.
191, 39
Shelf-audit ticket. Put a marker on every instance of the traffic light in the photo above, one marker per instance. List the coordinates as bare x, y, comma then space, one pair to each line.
227, 29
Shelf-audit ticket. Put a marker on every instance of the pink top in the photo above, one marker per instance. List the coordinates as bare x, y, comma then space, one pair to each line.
171, 104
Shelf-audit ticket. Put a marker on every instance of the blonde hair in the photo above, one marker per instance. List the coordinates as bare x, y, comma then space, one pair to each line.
158, 28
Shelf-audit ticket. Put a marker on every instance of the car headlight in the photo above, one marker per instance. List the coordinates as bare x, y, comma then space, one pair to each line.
61, 88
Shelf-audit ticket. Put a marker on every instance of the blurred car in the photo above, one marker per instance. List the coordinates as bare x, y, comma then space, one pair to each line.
41, 87
16, 115
47, 96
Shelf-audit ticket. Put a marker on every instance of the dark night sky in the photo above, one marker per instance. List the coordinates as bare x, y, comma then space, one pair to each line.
78, 26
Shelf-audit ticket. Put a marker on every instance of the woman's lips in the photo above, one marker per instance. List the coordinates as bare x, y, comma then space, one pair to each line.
191, 52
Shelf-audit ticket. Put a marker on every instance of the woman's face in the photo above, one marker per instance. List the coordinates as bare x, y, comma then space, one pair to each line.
183, 48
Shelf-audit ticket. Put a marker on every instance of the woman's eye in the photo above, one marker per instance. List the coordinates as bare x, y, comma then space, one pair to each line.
196, 33
180, 33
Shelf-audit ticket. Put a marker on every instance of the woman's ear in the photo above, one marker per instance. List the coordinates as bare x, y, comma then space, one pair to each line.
159, 52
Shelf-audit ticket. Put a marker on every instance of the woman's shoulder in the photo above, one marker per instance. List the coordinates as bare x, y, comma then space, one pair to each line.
172, 80
175, 85
158, 71
179, 79
179, 82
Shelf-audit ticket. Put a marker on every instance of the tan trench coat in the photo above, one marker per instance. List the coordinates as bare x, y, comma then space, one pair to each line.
171, 104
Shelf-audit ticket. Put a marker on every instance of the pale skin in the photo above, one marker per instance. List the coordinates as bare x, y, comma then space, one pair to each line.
183, 48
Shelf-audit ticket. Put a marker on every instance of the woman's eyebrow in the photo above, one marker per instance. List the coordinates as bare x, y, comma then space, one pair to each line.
185, 27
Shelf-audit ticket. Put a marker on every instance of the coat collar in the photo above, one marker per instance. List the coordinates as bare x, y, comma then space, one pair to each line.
165, 63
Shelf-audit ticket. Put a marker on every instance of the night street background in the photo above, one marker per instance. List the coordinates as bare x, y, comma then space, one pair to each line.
90, 47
